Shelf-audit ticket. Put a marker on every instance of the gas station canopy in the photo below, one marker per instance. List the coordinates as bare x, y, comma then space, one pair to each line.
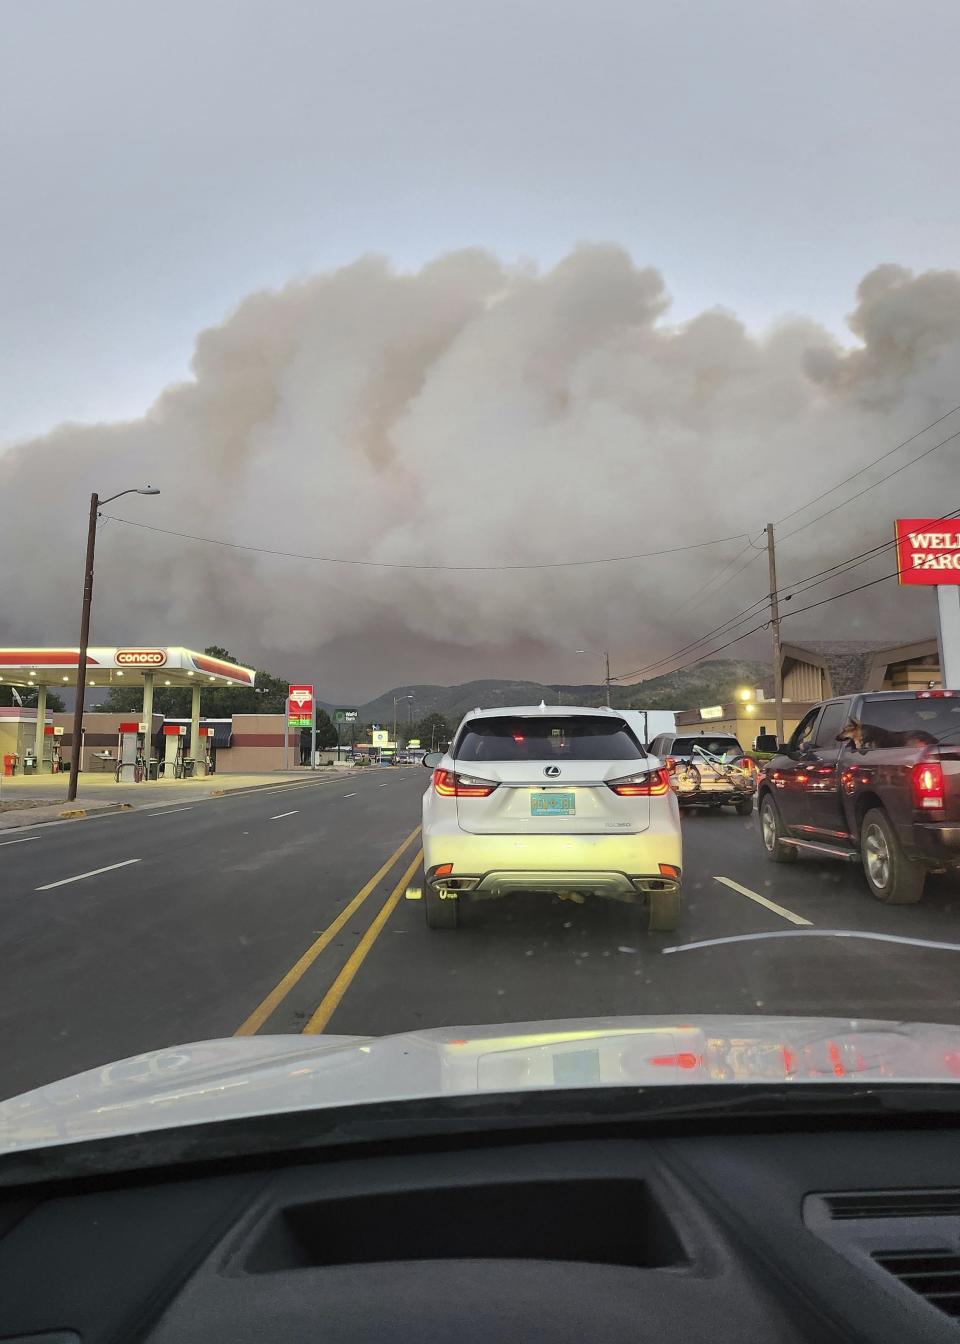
123, 665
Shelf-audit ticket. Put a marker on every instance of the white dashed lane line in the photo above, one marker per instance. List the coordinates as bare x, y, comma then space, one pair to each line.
281, 815
78, 877
762, 900
349, 795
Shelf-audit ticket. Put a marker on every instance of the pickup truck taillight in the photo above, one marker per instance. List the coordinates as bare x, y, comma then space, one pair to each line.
928, 784
649, 784
450, 785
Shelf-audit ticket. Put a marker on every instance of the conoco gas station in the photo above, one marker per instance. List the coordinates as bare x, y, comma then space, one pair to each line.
136, 747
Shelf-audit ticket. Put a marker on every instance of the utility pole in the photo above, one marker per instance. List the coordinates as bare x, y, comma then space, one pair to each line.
775, 629
76, 747
607, 660
82, 655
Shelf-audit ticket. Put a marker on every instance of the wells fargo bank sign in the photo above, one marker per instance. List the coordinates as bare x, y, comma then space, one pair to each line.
928, 550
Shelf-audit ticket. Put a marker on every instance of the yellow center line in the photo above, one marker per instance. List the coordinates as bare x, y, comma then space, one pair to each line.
276, 996
762, 900
331, 1000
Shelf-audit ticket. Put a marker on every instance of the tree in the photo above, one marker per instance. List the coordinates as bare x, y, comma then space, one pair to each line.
433, 731
326, 732
268, 695
29, 697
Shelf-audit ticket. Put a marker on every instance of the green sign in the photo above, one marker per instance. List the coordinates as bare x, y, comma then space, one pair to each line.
299, 721
344, 715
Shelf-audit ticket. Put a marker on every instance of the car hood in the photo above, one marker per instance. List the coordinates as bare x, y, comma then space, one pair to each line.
255, 1076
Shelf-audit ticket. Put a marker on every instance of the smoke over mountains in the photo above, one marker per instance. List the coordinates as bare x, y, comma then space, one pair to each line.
478, 414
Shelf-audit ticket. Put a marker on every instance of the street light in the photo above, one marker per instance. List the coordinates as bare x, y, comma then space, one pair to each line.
605, 655
95, 502
396, 701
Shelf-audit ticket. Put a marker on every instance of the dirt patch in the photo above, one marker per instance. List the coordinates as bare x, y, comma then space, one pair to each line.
21, 804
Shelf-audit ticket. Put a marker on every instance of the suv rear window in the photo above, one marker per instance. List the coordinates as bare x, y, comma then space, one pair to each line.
565, 738
910, 722
717, 746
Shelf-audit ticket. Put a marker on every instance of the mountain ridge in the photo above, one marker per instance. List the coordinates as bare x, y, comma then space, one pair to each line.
711, 682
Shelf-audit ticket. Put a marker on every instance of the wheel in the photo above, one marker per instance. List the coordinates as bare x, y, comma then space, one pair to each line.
771, 828
744, 808
442, 911
890, 875
664, 911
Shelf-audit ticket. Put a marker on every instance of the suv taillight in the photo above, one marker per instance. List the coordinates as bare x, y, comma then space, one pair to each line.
450, 785
928, 784
650, 784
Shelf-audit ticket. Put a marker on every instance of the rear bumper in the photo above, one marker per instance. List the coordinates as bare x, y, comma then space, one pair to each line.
936, 840
598, 863
713, 797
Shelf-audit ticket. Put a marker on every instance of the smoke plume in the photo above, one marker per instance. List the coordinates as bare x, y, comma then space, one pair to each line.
476, 413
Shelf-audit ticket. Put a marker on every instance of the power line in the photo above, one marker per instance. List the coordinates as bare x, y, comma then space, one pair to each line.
788, 591
896, 472
884, 578
846, 481
385, 564
860, 470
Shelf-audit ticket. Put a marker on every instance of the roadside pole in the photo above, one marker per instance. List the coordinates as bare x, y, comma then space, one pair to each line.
39, 738
948, 633
313, 732
775, 629
286, 734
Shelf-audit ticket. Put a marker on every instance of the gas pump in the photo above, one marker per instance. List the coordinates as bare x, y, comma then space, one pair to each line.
209, 750
131, 753
174, 749
56, 756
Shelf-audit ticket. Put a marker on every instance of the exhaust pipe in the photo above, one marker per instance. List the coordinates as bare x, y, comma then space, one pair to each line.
454, 883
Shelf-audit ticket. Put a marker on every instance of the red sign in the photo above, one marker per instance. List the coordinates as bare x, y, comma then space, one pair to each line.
928, 550
129, 727
301, 700
174, 730
141, 657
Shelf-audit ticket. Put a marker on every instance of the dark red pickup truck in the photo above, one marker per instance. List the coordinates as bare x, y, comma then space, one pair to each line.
875, 778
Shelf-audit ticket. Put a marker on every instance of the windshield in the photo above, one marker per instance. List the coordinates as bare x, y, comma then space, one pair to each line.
572, 739
921, 721
716, 746
480, 550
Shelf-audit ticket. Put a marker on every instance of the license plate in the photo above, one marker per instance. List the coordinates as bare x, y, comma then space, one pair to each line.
552, 804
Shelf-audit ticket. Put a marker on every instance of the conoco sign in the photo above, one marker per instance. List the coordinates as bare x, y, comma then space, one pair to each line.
141, 657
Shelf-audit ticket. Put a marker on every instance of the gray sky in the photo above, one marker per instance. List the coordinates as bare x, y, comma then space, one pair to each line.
162, 161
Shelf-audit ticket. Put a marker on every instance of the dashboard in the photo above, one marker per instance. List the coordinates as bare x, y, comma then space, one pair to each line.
750, 1236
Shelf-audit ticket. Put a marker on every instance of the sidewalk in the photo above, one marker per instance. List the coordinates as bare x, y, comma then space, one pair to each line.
26, 800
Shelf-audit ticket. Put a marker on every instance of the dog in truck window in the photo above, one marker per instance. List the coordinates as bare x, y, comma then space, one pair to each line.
865, 737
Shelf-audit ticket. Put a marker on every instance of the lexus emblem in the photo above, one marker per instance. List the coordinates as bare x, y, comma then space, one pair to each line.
552, 771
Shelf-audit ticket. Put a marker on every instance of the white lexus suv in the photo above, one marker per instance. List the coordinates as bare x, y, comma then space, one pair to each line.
549, 799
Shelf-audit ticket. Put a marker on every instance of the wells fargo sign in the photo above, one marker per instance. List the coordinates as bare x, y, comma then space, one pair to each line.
928, 550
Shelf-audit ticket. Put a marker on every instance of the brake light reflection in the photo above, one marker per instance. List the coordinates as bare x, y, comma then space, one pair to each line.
685, 1060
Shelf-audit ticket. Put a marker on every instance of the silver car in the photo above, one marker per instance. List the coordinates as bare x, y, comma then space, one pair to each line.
549, 799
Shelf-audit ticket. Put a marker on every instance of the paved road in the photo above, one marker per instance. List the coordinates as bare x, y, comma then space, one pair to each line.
282, 910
